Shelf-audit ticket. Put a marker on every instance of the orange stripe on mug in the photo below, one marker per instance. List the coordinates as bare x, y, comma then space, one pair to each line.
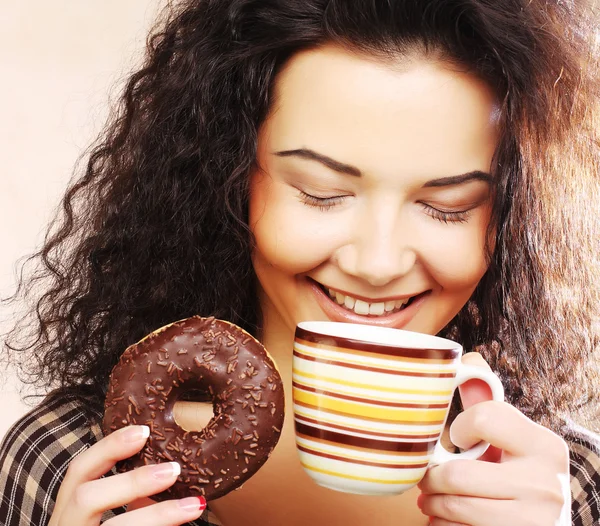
395, 390
354, 477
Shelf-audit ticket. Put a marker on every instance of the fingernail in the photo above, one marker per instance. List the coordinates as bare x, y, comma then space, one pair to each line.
193, 504
165, 471
136, 433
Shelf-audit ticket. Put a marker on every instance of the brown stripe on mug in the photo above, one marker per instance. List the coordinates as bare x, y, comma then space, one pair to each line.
361, 450
361, 462
368, 431
367, 418
361, 367
390, 350
424, 405
373, 354
364, 443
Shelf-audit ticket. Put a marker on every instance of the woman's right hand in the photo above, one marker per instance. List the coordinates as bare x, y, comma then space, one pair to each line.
84, 496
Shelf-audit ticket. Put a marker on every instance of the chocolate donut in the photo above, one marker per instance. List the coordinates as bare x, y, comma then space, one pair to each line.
217, 358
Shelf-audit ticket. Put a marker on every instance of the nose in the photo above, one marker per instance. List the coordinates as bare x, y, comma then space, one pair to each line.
380, 249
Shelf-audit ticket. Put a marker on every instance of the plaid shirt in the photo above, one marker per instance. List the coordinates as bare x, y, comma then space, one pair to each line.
37, 450
34, 457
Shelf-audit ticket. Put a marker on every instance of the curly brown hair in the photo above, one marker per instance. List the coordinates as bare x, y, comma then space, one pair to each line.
156, 229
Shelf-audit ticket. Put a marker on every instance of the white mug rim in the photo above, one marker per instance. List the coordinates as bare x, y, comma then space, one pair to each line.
376, 335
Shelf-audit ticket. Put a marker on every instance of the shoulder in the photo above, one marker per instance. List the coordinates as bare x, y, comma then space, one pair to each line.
584, 447
35, 454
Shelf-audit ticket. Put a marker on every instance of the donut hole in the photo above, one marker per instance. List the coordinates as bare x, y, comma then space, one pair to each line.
193, 410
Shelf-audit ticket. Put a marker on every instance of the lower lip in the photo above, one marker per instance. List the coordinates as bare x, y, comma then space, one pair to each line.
337, 313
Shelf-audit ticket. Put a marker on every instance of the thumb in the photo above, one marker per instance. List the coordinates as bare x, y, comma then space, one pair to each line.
474, 391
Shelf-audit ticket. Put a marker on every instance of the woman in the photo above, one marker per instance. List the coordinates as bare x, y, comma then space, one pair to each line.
429, 165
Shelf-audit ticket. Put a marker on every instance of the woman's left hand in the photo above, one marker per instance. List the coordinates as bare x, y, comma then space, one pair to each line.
519, 481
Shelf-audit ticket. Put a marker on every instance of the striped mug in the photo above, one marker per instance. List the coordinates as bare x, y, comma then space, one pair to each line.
370, 404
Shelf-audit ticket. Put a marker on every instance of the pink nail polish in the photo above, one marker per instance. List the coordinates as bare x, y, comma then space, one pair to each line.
165, 471
135, 433
193, 503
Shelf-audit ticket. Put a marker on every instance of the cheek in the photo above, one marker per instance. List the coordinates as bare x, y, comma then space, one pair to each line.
457, 259
289, 236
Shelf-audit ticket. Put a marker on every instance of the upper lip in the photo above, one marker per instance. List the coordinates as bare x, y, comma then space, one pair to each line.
365, 298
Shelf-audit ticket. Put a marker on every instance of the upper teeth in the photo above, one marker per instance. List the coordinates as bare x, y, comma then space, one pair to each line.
363, 308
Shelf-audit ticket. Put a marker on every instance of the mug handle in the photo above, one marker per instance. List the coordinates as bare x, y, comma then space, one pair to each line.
464, 373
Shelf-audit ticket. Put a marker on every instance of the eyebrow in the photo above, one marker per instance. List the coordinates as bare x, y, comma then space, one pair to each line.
337, 166
311, 155
452, 180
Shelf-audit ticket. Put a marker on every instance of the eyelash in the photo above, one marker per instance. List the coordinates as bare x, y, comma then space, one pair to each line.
322, 203
447, 217
326, 203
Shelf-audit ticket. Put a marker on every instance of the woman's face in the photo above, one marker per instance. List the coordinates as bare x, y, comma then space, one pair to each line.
372, 198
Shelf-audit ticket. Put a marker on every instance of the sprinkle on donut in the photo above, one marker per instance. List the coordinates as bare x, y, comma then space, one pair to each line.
217, 358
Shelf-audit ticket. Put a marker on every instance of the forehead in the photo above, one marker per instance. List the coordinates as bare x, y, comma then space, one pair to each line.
417, 115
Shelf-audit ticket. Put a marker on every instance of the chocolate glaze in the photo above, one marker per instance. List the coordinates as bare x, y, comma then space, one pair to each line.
216, 357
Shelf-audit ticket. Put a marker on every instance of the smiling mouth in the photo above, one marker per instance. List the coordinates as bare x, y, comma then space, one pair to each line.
364, 308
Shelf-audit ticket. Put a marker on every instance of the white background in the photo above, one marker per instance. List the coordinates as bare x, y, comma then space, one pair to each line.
61, 62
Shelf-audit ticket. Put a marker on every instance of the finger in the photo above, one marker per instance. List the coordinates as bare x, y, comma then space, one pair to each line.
470, 510
476, 479
91, 499
436, 521
99, 459
506, 428
104, 454
474, 392
167, 513
518, 479
487, 512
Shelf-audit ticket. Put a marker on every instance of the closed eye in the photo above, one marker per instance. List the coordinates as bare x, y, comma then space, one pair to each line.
446, 216
322, 203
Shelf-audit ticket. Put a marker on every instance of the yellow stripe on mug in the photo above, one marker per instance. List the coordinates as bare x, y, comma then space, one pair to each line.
388, 414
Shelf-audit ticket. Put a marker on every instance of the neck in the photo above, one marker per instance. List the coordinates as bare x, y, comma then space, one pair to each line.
276, 335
